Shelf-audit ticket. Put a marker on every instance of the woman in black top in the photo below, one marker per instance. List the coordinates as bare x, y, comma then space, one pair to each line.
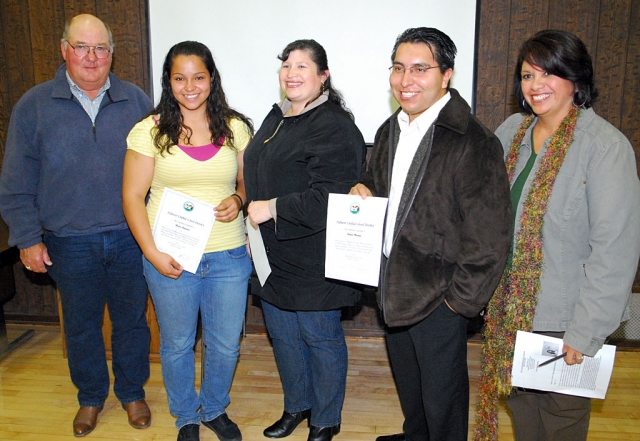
307, 147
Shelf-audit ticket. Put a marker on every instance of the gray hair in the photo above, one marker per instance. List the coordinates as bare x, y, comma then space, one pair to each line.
65, 34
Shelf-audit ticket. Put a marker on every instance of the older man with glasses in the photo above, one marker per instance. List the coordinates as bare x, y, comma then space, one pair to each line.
60, 195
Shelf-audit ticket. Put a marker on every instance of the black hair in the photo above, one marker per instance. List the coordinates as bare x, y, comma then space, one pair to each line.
218, 112
319, 56
562, 54
442, 47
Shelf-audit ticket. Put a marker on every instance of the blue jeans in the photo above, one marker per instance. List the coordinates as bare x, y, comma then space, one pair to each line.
219, 291
311, 354
89, 271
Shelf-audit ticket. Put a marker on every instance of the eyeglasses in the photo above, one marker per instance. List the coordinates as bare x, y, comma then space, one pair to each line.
82, 50
416, 70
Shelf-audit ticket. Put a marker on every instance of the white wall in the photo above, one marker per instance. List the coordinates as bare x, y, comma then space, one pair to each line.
246, 36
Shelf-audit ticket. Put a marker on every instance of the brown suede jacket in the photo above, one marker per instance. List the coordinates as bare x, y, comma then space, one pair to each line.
454, 223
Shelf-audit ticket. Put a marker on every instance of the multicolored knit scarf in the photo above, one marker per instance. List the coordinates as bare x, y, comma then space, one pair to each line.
514, 302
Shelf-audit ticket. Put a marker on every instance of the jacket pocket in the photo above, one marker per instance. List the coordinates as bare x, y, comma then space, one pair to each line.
566, 196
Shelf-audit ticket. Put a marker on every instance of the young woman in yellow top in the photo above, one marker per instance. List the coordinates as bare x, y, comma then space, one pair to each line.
193, 143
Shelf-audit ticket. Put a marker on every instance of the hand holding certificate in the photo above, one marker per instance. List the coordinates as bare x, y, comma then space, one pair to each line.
182, 228
534, 367
354, 238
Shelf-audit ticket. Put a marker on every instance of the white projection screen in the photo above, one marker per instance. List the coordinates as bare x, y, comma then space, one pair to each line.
246, 36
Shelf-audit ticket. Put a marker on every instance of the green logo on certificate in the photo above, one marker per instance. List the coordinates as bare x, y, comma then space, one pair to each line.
188, 206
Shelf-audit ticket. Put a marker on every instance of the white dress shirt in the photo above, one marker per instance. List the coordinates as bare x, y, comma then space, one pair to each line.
411, 133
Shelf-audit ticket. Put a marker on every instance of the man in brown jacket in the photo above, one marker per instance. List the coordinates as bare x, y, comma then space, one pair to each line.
447, 234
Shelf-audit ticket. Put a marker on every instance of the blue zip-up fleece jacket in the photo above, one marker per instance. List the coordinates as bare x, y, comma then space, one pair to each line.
61, 173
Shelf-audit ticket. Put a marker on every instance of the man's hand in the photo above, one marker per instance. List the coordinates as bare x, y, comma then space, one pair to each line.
361, 190
35, 258
447, 303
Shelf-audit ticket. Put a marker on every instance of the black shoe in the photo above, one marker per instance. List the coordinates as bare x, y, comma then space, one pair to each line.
286, 424
322, 433
396, 437
226, 429
190, 432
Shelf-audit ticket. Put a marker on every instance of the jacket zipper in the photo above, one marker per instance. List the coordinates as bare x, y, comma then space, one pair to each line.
274, 133
93, 124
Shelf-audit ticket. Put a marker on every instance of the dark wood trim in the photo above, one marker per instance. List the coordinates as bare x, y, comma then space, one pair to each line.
32, 319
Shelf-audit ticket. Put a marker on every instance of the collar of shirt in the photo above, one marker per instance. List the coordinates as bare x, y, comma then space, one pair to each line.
411, 134
90, 106
425, 119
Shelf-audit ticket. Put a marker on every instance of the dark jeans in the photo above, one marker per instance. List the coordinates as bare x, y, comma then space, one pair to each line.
311, 354
429, 364
89, 271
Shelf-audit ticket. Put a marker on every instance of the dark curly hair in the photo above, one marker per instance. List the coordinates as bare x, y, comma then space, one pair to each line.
562, 54
171, 121
319, 56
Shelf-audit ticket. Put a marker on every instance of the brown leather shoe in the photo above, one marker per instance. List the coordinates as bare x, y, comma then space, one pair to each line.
138, 413
86, 420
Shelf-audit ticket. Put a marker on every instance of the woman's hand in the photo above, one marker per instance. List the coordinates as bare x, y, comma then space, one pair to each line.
259, 212
228, 209
573, 356
361, 190
165, 264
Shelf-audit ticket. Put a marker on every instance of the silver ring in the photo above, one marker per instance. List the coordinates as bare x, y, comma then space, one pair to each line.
580, 358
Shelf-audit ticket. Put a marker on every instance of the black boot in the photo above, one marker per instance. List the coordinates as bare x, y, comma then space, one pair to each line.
322, 433
286, 424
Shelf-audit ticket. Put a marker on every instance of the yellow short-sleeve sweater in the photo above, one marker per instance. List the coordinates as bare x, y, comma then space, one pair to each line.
210, 181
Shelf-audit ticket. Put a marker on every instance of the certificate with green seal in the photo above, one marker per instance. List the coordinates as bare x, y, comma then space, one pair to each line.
182, 228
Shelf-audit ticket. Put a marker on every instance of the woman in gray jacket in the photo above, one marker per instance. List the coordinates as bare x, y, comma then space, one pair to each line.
576, 199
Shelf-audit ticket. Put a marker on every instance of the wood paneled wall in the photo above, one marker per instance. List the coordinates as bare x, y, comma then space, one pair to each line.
609, 28
29, 54
30, 32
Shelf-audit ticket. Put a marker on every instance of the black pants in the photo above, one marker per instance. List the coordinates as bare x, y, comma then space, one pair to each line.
429, 363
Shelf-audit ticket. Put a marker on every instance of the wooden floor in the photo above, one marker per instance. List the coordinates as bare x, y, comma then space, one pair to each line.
38, 401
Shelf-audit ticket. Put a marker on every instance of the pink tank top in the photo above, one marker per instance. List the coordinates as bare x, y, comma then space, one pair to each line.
202, 152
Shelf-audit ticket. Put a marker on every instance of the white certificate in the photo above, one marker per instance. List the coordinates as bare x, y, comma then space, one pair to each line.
354, 238
588, 379
258, 252
182, 228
